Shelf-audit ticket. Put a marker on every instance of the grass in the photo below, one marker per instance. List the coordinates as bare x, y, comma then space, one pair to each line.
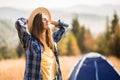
14, 69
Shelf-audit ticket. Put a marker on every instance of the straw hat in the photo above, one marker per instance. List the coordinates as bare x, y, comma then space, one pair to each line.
34, 13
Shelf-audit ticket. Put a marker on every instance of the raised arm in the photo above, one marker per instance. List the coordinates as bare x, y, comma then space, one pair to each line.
62, 29
20, 25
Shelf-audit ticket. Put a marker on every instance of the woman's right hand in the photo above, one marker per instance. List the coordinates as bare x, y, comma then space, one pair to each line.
22, 21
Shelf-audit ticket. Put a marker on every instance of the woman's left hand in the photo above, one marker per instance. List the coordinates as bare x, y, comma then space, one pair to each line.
54, 23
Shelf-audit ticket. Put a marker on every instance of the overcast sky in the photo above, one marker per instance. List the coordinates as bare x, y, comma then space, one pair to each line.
30, 4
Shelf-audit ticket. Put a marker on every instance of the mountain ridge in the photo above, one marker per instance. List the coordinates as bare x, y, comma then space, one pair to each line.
93, 17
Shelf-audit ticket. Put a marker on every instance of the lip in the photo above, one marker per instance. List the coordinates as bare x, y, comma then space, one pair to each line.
48, 23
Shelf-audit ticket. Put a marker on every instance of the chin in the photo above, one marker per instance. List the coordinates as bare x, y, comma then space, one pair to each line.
46, 27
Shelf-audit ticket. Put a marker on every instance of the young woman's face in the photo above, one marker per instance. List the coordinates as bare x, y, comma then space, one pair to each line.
45, 20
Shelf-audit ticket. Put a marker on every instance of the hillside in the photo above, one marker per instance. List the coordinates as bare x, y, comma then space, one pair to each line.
7, 33
12, 13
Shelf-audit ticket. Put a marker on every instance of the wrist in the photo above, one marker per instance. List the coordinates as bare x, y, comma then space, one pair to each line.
54, 23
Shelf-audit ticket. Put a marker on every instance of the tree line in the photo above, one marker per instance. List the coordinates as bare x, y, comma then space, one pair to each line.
107, 43
77, 41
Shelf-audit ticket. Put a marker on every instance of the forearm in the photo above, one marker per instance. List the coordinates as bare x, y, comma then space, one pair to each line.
20, 25
59, 24
63, 27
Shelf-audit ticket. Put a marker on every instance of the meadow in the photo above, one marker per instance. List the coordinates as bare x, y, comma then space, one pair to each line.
13, 69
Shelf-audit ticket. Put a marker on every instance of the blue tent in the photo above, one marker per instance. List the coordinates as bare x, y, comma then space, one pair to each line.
94, 66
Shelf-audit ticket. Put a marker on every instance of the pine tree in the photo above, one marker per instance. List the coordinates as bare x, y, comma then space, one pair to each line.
78, 31
107, 33
115, 22
88, 41
114, 44
107, 37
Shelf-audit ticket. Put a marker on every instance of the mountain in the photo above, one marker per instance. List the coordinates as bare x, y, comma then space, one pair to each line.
84, 11
7, 33
102, 10
12, 13
92, 17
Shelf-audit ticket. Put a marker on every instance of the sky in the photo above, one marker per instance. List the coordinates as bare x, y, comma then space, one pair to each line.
31, 4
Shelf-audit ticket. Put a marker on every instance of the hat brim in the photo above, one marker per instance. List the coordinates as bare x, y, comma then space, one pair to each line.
34, 13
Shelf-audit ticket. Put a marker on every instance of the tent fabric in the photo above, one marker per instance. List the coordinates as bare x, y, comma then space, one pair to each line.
94, 66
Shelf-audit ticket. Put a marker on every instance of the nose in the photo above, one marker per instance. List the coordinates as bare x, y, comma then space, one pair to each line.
47, 21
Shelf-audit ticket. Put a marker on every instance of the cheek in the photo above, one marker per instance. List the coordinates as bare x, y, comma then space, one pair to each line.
45, 23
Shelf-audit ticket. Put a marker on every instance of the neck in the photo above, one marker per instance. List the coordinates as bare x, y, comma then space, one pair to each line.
42, 37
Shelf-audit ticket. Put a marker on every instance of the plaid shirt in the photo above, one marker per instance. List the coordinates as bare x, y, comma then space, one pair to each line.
34, 50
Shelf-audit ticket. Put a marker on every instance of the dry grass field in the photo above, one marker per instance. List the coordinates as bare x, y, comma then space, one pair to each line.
14, 69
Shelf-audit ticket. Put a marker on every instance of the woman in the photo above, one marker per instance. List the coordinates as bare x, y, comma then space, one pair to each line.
42, 61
